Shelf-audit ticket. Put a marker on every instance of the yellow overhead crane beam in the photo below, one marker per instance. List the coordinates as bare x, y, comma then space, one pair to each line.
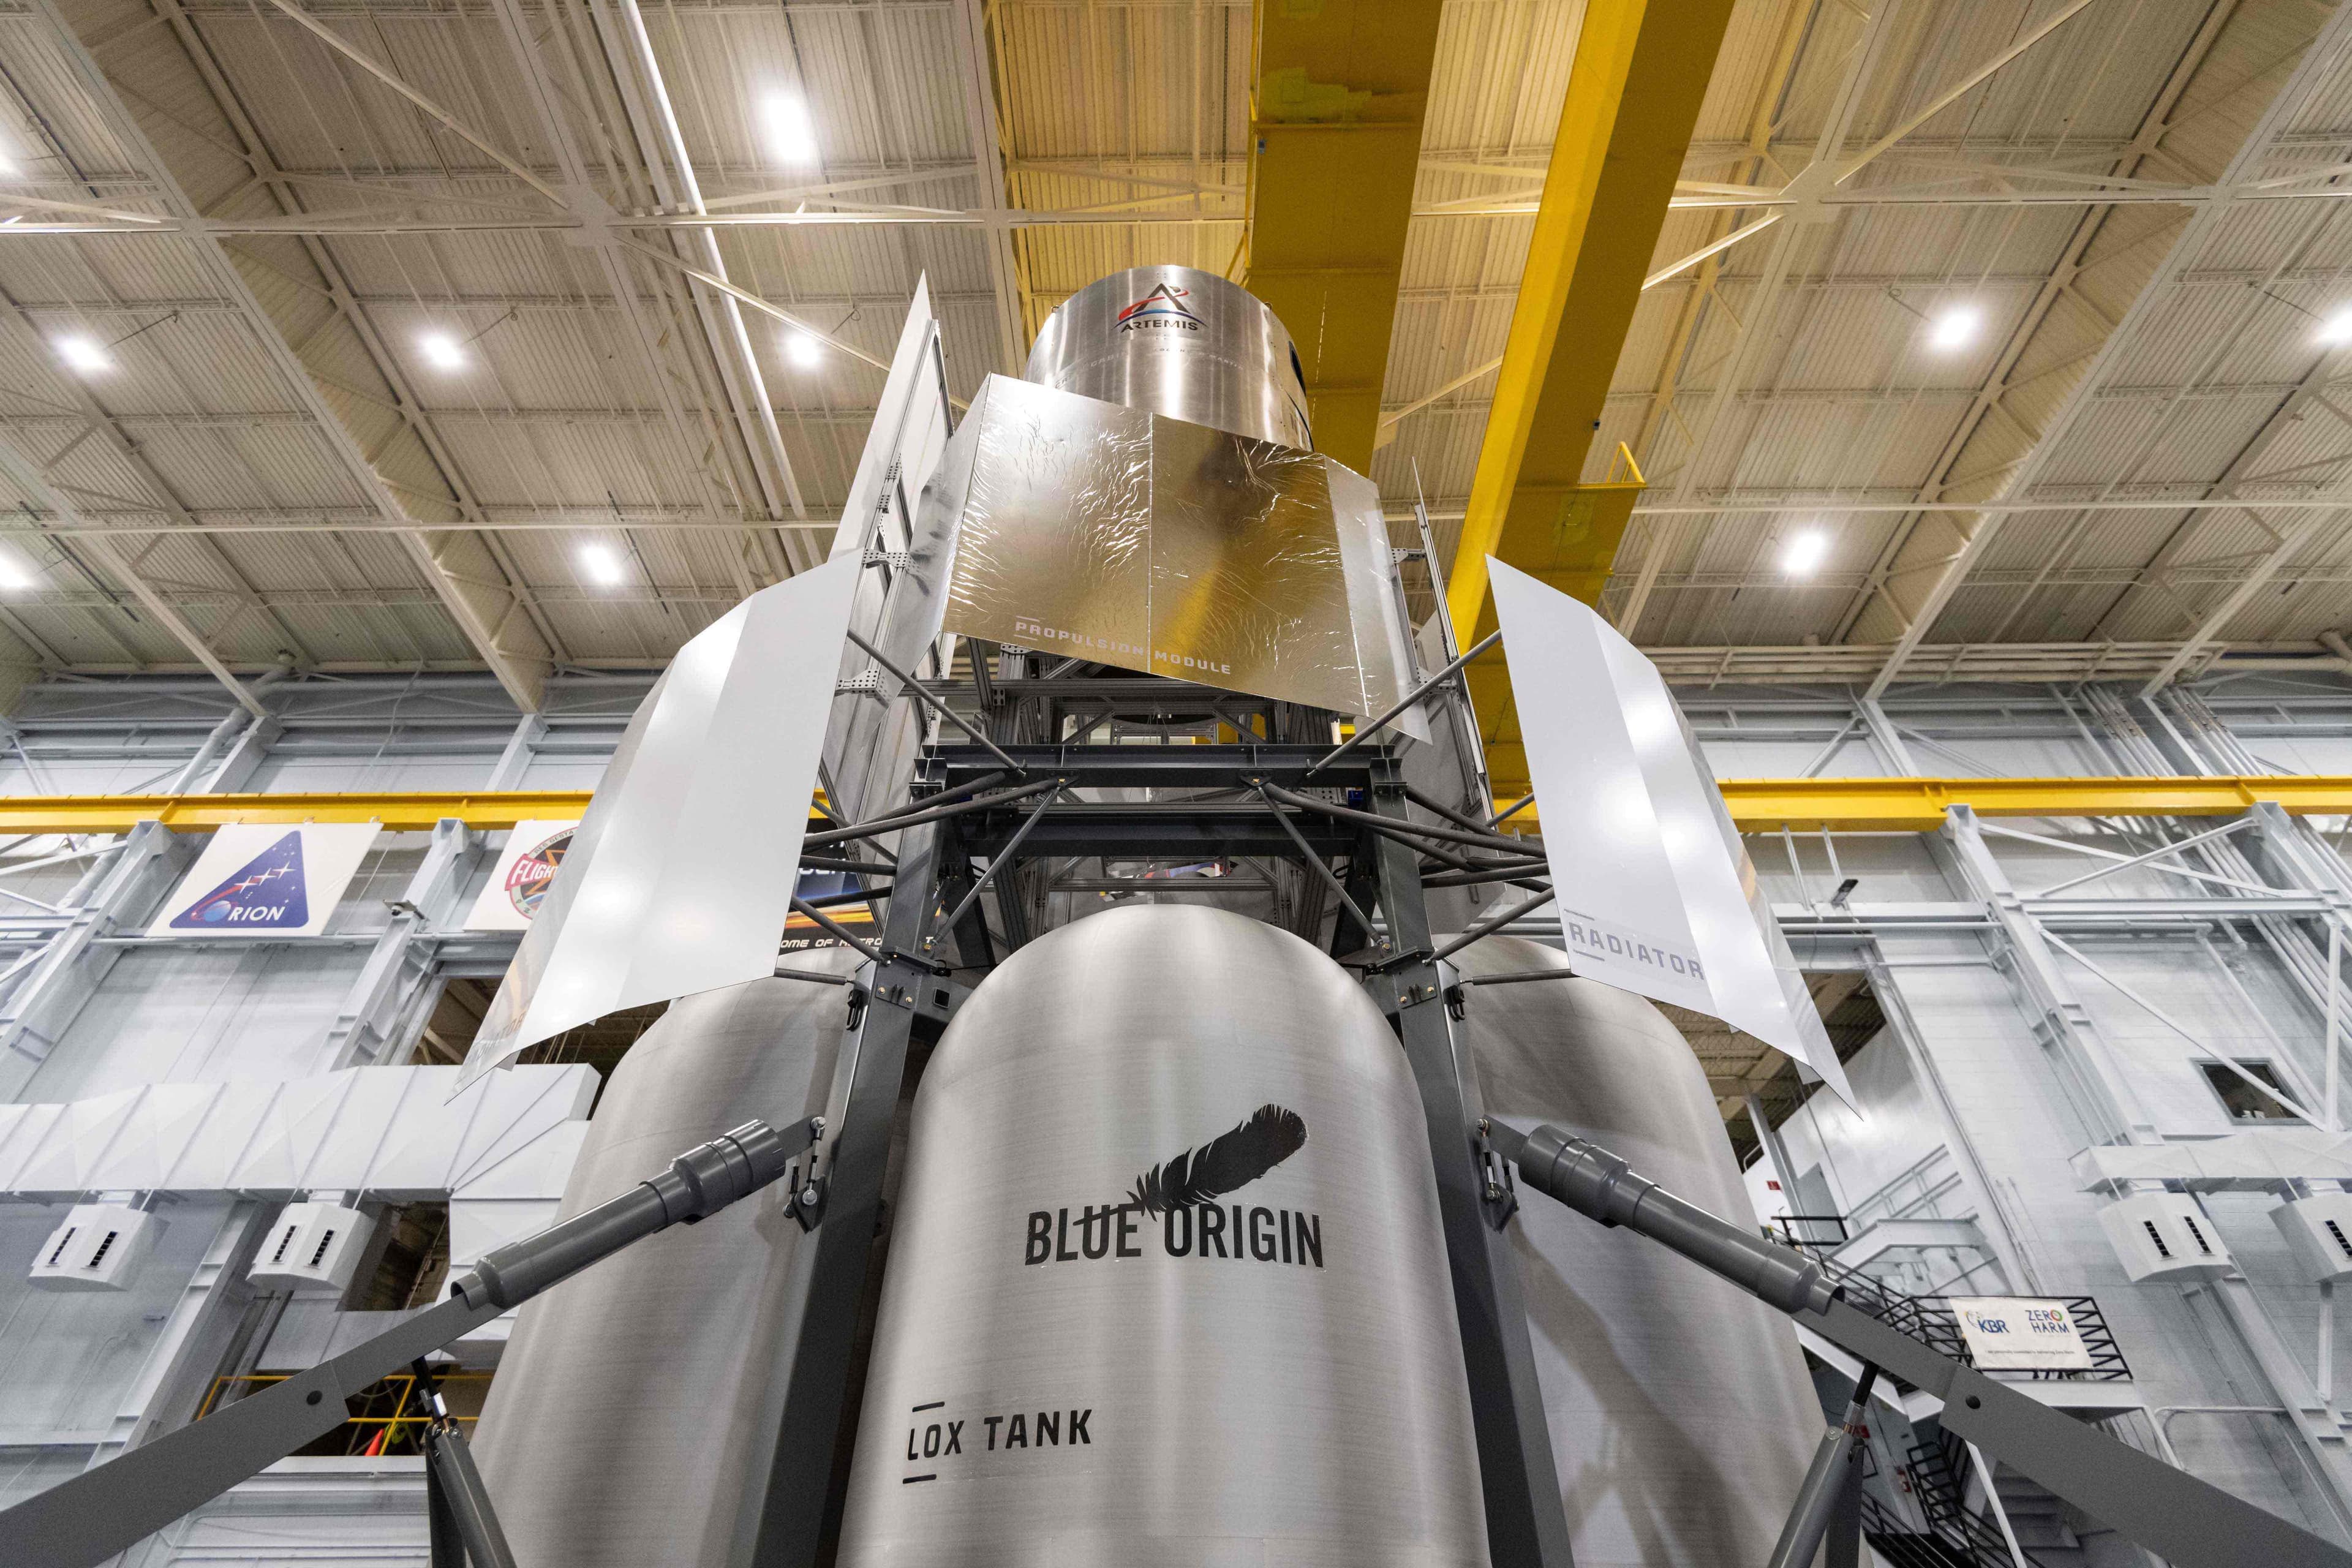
405, 812
1916, 806
1335, 122
1757, 805
1634, 94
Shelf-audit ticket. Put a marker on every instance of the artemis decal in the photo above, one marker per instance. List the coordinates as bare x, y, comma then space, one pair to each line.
1162, 309
1183, 1194
259, 880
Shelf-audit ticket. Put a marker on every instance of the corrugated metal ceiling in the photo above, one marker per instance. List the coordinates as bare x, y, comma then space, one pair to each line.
593, 405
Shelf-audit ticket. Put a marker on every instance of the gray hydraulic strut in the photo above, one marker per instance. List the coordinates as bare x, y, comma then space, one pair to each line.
88, 1519
2186, 1520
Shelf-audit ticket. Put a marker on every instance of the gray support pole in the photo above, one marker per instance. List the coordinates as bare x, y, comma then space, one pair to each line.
444, 1545
784, 1515
1836, 1470
1776, 1154
451, 1464
1526, 1526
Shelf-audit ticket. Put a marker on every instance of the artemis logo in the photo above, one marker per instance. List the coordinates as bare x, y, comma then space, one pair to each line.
1161, 309
1184, 1192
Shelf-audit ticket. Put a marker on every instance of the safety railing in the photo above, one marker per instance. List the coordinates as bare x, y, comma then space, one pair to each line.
387, 1417
1809, 1230
1900, 1546
1940, 1479
1931, 1321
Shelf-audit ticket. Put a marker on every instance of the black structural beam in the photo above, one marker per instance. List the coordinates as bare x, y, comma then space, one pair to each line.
1147, 832
1166, 767
1526, 1525
830, 1276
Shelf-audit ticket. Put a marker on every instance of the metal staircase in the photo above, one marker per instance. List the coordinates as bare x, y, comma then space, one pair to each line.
1941, 1473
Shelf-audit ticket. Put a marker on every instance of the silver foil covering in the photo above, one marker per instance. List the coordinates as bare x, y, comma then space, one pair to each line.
1179, 342
1125, 538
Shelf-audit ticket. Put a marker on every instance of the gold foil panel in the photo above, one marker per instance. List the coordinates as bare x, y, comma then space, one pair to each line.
1248, 589
1054, 548
1152, 544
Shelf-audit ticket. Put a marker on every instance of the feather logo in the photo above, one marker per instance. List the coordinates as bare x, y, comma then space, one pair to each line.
1235, 1159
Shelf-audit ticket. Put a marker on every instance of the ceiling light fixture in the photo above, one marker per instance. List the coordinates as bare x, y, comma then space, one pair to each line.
2337, 330
1955, 328
603, 567
792, 134
12, 574
803, 351
84, 354
1804, 553
441, 352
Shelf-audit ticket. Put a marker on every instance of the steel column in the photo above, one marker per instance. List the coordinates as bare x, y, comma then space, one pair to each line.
783, 1519
1526, 1526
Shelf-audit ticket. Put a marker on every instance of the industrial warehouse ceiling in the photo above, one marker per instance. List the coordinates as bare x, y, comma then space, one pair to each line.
391, 334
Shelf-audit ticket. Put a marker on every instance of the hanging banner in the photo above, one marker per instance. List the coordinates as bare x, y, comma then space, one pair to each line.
518, 882
680, 877
263, 880
2017, 1333
1655, 892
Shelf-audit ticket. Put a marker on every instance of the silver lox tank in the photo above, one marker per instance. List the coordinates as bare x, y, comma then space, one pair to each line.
1178, 342
632, 1403
1680, 1412
1167, 1286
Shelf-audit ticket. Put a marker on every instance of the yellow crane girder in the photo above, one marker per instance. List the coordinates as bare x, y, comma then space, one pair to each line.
1757, 805
1335, 121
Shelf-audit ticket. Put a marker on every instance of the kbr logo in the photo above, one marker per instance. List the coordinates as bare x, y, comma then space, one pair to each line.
1163, 308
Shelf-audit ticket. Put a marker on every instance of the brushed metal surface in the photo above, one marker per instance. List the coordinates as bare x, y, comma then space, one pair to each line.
1240, 1411
1178, 342
1125, 537
629, 1407
1680, 1411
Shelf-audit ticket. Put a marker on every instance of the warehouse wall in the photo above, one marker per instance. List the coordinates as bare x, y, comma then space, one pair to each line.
1962, 1112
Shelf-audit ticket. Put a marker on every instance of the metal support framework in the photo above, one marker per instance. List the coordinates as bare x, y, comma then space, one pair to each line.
21, 473
2320, 59
1526, 1525
2189, 1520
479, 594
786, 1518
1633, 98
1330, 199
1757, 806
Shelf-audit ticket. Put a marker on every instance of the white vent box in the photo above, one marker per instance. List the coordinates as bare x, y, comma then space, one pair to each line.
2319, 1231
2165, 1236
312, 1245
99, 1247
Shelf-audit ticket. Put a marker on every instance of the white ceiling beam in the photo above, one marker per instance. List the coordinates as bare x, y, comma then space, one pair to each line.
619, 27
977, 78
1756, 332
2319, 62
487, 612
25, 476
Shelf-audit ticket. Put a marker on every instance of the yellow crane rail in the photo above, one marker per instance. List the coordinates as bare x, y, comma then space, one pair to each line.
1917, 804
1757, 805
